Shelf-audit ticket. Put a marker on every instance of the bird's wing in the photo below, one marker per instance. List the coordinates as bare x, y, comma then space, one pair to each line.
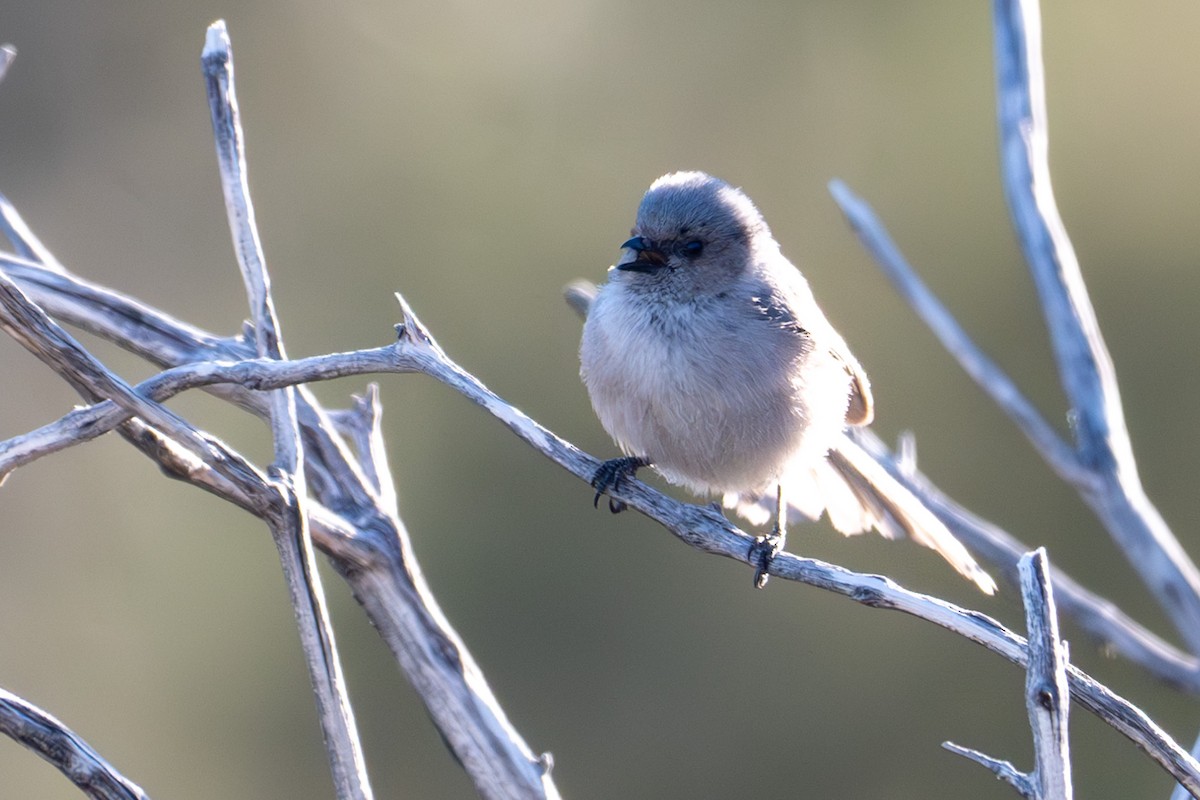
862, 405
861, 409
771, 309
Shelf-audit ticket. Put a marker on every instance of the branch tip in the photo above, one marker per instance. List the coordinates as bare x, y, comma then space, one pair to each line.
216, 43
846, 200
906, 453
1003, 770
7, 54
410, 328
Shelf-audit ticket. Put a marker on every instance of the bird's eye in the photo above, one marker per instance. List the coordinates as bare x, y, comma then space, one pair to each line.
693, 248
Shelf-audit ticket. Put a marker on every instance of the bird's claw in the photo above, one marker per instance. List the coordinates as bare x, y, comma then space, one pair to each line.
609, 476
762, 553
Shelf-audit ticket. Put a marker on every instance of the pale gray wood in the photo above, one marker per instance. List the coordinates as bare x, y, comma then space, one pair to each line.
372, 552
1179, 792
368, 545
1003, 770
1098, 616
987, 373
1100, 463
1046, 694
705, 529
1084, 364
7, 54
24, 243
1047, 701
43, 734
289, 529
366, 540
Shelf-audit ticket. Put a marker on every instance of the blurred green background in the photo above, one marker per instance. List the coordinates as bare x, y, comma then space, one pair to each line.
476, 157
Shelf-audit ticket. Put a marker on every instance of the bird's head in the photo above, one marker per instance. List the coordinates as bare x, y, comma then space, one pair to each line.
694, 233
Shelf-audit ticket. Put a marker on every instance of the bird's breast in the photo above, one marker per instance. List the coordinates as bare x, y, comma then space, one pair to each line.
716, 400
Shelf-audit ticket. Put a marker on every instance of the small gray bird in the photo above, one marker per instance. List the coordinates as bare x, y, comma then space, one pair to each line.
706, 357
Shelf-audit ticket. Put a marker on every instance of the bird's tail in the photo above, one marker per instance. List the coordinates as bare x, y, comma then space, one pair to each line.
858, 494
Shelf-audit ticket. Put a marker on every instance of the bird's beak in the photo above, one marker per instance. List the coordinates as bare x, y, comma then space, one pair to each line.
648, 257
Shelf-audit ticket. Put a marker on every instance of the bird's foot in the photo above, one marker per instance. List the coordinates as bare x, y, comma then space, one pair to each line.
609, 476
762, 553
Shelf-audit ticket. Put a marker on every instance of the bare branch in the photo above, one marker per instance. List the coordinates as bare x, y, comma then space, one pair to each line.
1047, 700
368, 545
39, 334
1085, 366
1122, 513
705, 529
289, 529
23, 241
1003, 770
1046, 693
147, 332
1179, 792
85, 424
990, 377
58, 744
1098, 616
366, 539
1101, 468
361, 425
7, 54
418, 352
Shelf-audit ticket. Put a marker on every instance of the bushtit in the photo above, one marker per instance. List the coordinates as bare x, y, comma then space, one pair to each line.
706, 357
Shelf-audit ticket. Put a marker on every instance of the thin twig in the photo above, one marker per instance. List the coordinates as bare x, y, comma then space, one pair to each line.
1084, 364
705, 529
990, 377
1046, 692
24, 242
1047, 701
7, 54
62, 747
1179, 792
1003, 770
291, 535
1118, 510
699, 527
131, 325
1098, 616
360, 425
1101, 466
165, 340
85, 424
365, 540
33, 329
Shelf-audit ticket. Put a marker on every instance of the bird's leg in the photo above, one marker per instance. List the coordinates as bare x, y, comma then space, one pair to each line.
765, 548
609, 476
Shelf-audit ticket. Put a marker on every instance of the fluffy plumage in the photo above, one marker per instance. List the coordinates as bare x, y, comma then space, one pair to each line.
707, 355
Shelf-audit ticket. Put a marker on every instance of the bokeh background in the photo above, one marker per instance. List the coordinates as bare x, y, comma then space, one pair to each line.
476, 157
